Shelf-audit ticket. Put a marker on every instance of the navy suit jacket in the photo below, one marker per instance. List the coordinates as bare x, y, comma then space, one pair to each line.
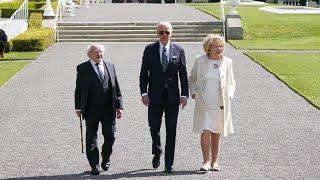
153, 80
82, 85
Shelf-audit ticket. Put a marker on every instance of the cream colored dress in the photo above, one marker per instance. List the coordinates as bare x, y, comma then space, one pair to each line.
213, 99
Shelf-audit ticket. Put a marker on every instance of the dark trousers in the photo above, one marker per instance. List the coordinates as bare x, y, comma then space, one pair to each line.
108, 130
155, 112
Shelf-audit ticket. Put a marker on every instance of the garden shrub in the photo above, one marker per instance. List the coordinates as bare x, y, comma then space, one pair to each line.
38, 5
35, 20
8, 48
34, 40
7, 12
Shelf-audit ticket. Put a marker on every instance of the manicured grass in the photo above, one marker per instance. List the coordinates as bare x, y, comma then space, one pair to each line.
299, 71
8, 69
20, 56
264, 30
300, 43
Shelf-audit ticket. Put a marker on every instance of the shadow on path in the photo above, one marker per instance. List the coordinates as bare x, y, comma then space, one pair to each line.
130, 174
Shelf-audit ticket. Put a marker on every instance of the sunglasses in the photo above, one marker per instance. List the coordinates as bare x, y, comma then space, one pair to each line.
162, 32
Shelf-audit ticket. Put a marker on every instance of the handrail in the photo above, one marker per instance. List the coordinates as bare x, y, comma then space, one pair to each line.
17, 23
57, 18
223, 18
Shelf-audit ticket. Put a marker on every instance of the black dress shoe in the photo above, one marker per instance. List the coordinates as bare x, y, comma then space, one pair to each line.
168, 169
105, 164
156, 161
95, 171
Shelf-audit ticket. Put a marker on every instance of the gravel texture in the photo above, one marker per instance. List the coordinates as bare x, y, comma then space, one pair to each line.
277, 131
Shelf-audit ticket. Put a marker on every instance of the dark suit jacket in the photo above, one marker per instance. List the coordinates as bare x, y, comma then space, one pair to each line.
82, 85
154, 81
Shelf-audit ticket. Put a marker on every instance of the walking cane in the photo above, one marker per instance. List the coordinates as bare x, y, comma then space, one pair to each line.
81, 134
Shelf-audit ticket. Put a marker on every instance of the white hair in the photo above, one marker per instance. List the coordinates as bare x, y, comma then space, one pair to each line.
166, 24
92, 46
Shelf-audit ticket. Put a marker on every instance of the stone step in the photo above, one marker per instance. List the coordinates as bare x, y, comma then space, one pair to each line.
125, 36
132, 40
102, 32
135, 23
133, 31
195, 27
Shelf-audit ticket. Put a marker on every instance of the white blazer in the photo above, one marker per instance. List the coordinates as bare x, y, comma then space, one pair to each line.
228, 86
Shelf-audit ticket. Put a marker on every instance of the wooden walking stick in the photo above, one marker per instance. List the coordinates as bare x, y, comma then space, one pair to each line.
81, 134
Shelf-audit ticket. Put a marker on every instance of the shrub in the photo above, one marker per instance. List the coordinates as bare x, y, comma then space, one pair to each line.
38, 5
7, 12
35, 20
41, 11
8, 48
34, 40
38, 1
11, 5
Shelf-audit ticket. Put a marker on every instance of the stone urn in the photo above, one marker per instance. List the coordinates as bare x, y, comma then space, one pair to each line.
233, 4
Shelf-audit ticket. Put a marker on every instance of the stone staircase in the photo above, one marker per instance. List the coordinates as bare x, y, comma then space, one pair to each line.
133, 31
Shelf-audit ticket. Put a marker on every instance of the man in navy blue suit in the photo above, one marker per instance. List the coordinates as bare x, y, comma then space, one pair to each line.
163, 65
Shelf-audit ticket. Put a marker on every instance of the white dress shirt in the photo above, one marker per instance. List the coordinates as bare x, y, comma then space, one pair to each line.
101, 67
167, 46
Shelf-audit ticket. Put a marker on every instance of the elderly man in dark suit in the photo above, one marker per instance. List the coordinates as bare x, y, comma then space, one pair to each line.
163, 64
98, 99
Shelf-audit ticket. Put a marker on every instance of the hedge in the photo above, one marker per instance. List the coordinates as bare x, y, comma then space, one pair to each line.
35, 20
34, 40
12, 5
7, 9
7, 12
38, 5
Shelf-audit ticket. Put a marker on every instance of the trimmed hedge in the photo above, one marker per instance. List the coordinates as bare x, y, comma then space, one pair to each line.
7, 12
7, 9
8, 48
11, 5
34, 40
38, 5
35, 20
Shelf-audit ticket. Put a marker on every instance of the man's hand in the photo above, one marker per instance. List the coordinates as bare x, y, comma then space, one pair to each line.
183, 101
145, 100
119, 113
78, 112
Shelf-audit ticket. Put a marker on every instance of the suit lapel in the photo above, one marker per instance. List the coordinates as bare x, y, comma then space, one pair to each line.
110, 71
172, 52
157, 53
93, 72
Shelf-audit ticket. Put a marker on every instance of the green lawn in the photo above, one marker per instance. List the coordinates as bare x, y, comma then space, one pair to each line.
264, 30
20, 56
8, 69
299, 71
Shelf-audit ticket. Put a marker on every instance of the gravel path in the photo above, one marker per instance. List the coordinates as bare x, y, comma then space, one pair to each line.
277, 131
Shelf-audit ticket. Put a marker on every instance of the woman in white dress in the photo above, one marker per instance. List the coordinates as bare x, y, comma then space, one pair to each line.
212, 85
